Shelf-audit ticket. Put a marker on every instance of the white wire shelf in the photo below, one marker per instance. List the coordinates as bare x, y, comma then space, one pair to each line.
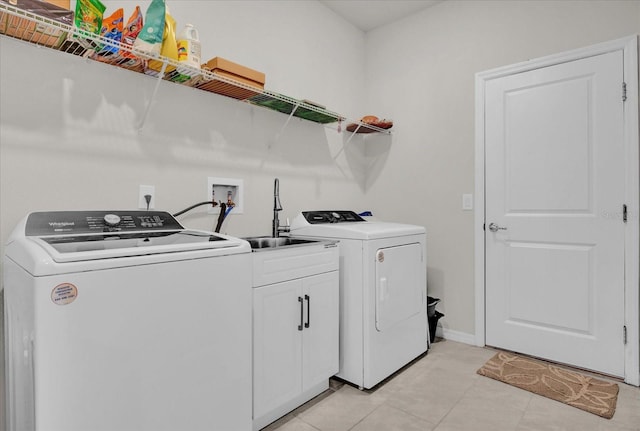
43, 31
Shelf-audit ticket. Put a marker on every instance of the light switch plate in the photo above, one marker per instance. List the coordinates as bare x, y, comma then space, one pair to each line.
467, 202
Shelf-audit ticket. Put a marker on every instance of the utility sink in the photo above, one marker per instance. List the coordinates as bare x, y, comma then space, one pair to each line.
275, 260
266, 242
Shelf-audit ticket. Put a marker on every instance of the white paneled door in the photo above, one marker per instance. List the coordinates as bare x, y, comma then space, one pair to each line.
554, 212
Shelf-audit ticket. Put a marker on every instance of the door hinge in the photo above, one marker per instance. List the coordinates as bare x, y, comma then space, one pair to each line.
624, 91
624, 213
624, 334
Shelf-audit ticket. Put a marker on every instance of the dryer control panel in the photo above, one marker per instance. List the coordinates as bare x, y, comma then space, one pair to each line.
331, 216
87, 222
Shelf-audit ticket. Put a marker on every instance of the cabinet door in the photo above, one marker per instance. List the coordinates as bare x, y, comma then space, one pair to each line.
320, 338
277, 373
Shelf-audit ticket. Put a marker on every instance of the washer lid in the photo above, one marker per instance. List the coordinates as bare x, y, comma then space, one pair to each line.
80, 248
74, 236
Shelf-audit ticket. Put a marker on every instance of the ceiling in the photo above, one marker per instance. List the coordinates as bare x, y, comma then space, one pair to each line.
368, 14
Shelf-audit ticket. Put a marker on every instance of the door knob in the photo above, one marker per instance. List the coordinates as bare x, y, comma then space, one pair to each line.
495, 228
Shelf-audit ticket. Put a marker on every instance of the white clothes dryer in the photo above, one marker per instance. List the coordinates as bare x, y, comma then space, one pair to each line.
126, 321
383, 290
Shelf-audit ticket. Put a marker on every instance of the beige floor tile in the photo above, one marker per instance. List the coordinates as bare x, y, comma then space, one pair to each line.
450, 350
544, 414
627, 415
442, 392
615, 427
487, 405
279, 424
414, 374
342, 410
431, 395
293, 424
386, 418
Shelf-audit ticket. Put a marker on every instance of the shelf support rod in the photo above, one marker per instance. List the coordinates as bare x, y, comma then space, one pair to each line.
353, 134
286, 123
153, 96
347, 141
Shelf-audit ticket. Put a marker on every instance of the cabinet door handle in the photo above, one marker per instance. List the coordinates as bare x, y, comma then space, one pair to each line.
306, 325
301, 313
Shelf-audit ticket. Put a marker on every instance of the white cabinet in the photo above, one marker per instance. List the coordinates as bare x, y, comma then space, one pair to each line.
320, 335
295, 337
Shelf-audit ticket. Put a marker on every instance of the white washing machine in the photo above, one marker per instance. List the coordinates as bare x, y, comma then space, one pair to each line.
383, 290
126, 321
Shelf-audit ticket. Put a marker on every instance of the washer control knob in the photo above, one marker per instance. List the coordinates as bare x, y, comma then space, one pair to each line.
112, 220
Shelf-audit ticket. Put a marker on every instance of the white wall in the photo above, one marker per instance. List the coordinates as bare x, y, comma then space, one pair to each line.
420, 72
69, 135
69, 127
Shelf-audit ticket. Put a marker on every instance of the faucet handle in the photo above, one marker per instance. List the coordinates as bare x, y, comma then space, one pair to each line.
285, 228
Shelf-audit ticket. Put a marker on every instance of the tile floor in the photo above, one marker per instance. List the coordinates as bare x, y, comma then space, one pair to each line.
441, 391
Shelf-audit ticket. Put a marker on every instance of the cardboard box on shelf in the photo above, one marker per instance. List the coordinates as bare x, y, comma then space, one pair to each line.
65, 4
236, 72
36, 32
238, 78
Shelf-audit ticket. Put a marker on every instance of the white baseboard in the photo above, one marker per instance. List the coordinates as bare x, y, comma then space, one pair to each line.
460, 337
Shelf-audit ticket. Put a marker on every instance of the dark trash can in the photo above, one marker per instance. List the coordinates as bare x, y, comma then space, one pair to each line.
433, 315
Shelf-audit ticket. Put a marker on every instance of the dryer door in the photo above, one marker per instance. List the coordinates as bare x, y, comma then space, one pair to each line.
399, 293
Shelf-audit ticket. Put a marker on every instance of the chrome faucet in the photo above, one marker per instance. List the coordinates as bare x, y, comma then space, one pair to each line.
277, 207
